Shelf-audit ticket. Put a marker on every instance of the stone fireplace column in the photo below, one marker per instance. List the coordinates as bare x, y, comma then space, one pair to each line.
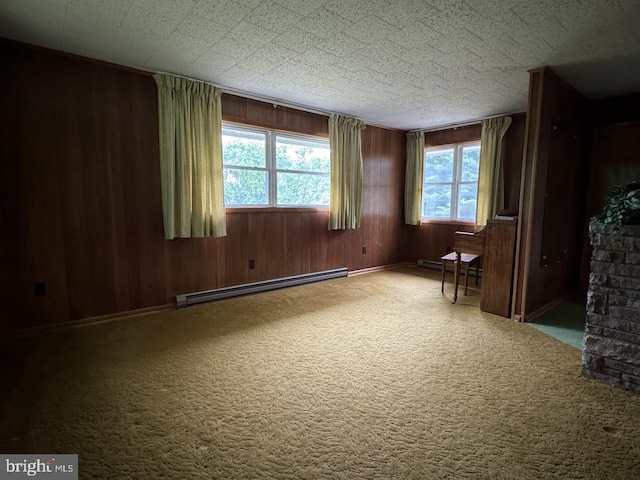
611, 344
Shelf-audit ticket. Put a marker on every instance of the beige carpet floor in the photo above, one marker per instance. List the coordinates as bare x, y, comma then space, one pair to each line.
375, 376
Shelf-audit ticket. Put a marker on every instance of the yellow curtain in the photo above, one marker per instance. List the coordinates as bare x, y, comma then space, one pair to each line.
414, 178
491, 176
190, 123
346, 172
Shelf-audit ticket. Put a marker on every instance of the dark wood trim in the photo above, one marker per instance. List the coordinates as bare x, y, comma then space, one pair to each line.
87, 322
529, 154
362, 271
530, 317
240, 210
447, 222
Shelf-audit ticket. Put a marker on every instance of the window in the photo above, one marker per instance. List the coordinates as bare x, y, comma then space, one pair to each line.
269, 168
450, 189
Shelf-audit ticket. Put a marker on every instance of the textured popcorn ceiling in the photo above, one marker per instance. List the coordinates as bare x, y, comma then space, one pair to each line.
398, 63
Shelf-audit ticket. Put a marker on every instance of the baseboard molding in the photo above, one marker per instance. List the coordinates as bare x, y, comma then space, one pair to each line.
85, 322
379, 268
530, 317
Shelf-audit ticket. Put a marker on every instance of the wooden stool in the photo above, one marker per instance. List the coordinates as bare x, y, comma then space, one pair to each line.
467, 261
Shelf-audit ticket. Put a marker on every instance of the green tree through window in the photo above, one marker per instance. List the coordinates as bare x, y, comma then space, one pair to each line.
303, 171
262, 167
244, 156
450, 186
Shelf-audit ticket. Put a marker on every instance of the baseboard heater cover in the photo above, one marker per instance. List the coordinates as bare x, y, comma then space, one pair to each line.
438, 266
264, 286
429, 264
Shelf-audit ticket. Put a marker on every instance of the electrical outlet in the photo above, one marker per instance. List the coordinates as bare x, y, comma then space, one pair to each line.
364, 250
252, 263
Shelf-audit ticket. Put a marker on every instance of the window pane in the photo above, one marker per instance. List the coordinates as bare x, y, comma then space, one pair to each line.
467, 199
438, 165
303, 189
243, 148
303, 155
470, 163
436, 201
245, 187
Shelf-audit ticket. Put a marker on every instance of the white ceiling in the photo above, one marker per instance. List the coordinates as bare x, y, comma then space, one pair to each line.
398, 63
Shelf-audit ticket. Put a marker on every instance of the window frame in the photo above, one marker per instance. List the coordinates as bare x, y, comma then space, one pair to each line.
271, 167
455, 183
249, 129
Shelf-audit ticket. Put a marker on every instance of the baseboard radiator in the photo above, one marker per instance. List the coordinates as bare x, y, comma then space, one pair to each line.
430, 264
264, 286
438, 266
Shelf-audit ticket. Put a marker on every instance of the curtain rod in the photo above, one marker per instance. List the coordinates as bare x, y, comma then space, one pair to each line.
241, 93
278, 103
464, 124
275, 102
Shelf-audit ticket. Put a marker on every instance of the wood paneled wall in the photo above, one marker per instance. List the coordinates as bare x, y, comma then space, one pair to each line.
80, 201
246, 110
615, 110
512, 148
430, 241
614, 148
551, 226
614, 161
448, 136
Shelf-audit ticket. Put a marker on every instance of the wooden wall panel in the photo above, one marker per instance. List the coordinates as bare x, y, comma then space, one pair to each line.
526, 194
453, 135
245, 110
552, 195
430, 241
81, 198
512, 148
31, 244
614, 161
615, 110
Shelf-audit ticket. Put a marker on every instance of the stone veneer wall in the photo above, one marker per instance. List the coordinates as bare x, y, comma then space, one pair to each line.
611, 345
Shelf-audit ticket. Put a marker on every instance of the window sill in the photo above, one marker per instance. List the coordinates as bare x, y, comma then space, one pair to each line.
270, 209
443, 221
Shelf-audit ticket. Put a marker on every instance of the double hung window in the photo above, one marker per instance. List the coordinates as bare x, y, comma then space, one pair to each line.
450, 189
270, 168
